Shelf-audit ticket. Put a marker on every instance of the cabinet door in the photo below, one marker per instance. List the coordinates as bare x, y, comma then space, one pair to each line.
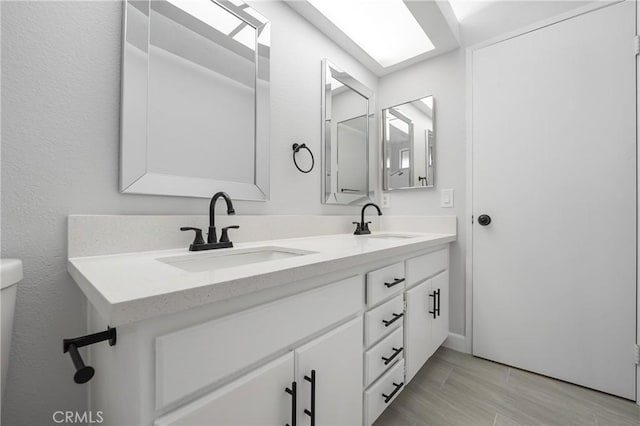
335, 361
440, 331
259, 398
418, 323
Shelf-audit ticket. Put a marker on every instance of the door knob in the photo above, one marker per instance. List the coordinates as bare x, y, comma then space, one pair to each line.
484, 219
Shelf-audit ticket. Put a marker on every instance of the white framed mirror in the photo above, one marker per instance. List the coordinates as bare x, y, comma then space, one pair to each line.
408, 143
195, 99
346, 123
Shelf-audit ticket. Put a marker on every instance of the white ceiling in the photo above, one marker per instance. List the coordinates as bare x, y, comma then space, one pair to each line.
436, 19
465, 8
449, 24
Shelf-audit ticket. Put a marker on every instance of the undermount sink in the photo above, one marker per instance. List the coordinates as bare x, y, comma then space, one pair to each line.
213, 260
390, 236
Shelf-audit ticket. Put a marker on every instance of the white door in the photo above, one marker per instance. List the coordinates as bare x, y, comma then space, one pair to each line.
440, 327
330, 377
259, 399
554, 166
421, 313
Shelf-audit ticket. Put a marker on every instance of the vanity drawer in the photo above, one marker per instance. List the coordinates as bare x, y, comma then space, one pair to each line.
378, 397
384, 283
190, 359
391, 348
425, 266
383, 320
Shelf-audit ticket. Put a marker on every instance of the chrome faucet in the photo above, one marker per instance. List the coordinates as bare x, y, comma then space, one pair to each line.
212, 238
362, 228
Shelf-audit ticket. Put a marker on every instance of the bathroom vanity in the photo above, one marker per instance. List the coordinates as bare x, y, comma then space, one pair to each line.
303, 331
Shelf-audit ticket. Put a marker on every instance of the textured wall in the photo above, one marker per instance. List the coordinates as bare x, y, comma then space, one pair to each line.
442, 77
60, 107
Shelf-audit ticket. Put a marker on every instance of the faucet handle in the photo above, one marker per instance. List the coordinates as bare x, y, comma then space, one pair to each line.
224, 238
358, 229
366, 227
198, 239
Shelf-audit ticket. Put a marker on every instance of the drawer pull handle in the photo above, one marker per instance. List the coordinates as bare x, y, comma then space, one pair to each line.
436, 310
389, 397
294, 396
387, 323
396, 352
438, 299
312, 413
395, 281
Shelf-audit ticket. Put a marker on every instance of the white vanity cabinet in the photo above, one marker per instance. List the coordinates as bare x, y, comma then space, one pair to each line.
384, 367
334, 349
427, 309
329, 377
440, 327
407, 320
426, 321
258, 399
321, 380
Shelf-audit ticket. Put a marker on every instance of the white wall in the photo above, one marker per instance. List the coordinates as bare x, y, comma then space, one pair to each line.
60, 134
442, 77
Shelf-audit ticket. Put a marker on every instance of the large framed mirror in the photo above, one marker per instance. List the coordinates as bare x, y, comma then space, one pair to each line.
195, 99
346, 129
408, 141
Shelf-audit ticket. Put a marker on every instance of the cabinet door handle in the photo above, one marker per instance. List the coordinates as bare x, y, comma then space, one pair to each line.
395, 281
293, 391
387, 323
435, 309
396, 352
312, 413
438, 299
388, 398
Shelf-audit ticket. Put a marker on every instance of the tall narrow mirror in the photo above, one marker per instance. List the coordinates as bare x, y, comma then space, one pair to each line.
408, 142
345, 137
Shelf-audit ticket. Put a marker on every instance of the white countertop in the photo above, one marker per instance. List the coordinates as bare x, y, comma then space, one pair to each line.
131, 287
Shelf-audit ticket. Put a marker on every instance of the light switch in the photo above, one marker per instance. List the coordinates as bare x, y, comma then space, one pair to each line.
446, 198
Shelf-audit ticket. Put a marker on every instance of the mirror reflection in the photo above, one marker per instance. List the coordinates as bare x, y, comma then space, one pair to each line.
197, 56
345, 138
408, 145
196, 76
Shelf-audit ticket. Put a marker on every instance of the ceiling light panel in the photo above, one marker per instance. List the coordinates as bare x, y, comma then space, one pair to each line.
385, 29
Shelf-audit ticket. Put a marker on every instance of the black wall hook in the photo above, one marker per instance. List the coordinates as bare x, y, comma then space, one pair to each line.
296, 148
84, 373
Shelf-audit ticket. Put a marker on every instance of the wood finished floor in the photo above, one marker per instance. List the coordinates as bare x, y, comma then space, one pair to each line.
458, 389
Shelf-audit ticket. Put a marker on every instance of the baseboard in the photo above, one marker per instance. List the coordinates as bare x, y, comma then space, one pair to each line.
457, 342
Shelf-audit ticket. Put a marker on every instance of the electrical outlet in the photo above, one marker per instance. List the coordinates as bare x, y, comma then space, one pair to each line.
446, 198
385, 200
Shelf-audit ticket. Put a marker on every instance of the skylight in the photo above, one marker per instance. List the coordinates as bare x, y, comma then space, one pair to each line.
385, 29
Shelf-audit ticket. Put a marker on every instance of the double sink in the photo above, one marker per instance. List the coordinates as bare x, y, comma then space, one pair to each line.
209, 261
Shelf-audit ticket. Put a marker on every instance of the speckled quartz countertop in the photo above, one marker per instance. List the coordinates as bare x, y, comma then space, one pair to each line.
130, 287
